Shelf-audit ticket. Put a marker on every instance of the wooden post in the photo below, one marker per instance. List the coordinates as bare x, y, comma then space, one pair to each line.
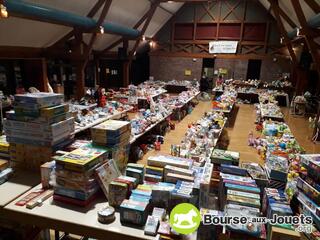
80, 79
126, 73
308, 37
97, 72
276, 10
36, 74
44, 83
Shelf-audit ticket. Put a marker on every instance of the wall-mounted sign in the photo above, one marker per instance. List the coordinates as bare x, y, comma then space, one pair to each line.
187, 72
223, 46
223, 71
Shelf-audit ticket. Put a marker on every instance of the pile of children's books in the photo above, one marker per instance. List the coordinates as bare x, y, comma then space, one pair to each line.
5, 171
275, 205
309, 191
4, 148
240, 196
75, 175
38, 126
115, 135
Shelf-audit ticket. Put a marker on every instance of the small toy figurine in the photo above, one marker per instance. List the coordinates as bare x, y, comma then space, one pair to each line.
250, 139
102, 101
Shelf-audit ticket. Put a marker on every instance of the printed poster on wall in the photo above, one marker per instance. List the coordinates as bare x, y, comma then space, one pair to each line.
223, 46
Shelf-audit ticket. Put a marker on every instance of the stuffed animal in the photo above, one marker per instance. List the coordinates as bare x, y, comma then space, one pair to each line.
250, 139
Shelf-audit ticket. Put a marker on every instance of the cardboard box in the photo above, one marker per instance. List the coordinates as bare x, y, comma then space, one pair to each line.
117, 193
278, 233
134, 212
173, 178
162, 161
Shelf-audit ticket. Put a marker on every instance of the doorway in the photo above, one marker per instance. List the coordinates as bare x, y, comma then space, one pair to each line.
208, 70
254, 68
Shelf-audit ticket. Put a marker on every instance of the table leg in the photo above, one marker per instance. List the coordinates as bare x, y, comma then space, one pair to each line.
45, 234
56, 235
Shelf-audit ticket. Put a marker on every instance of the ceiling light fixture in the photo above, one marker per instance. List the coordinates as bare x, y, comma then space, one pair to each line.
281, 40
298, 31
3, 10
143, 38
101, 30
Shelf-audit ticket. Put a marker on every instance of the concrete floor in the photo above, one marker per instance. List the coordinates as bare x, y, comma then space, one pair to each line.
238, 133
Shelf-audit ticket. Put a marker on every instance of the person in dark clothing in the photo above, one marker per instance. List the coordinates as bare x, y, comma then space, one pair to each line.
204, 84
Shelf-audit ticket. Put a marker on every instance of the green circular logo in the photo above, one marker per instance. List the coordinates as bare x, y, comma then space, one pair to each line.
185, 218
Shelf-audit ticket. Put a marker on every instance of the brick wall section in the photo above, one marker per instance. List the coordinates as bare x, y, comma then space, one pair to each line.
237, 68
168, 68
270, 69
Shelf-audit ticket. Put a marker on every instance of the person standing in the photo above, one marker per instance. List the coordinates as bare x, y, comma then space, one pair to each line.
204, 84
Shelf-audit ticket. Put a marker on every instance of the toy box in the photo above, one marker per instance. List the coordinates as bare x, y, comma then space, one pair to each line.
117, 193
133, 212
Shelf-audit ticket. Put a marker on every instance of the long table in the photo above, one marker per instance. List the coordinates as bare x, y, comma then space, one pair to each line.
100, 120
72, 219
177, 110
267, 116
17, 185
135, 137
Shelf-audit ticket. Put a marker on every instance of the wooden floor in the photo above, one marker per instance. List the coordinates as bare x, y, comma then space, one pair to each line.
238, 133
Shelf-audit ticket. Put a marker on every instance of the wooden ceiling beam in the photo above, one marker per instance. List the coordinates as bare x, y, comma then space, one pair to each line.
313, 5
151, 12
7, 52
120, 40
188, 1
287, 18
276, 10
308, 37
207, 55
163, 8
91, 14
101, 19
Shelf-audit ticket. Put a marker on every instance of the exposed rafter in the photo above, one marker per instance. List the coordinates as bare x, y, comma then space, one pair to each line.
91, 14
120, 40
306, 31
187, 1
163, 8
276, 9
313, 5
287, 18
151, 12
101, 19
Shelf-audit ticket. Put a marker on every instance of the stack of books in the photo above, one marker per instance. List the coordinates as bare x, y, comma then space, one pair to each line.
39, 125
184, 192
220, 156
4, 148
308, 185
75, 175
135, 210
5, 171
115, 135
240, 196
276, 204
257, 172
120, 189
277, 168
